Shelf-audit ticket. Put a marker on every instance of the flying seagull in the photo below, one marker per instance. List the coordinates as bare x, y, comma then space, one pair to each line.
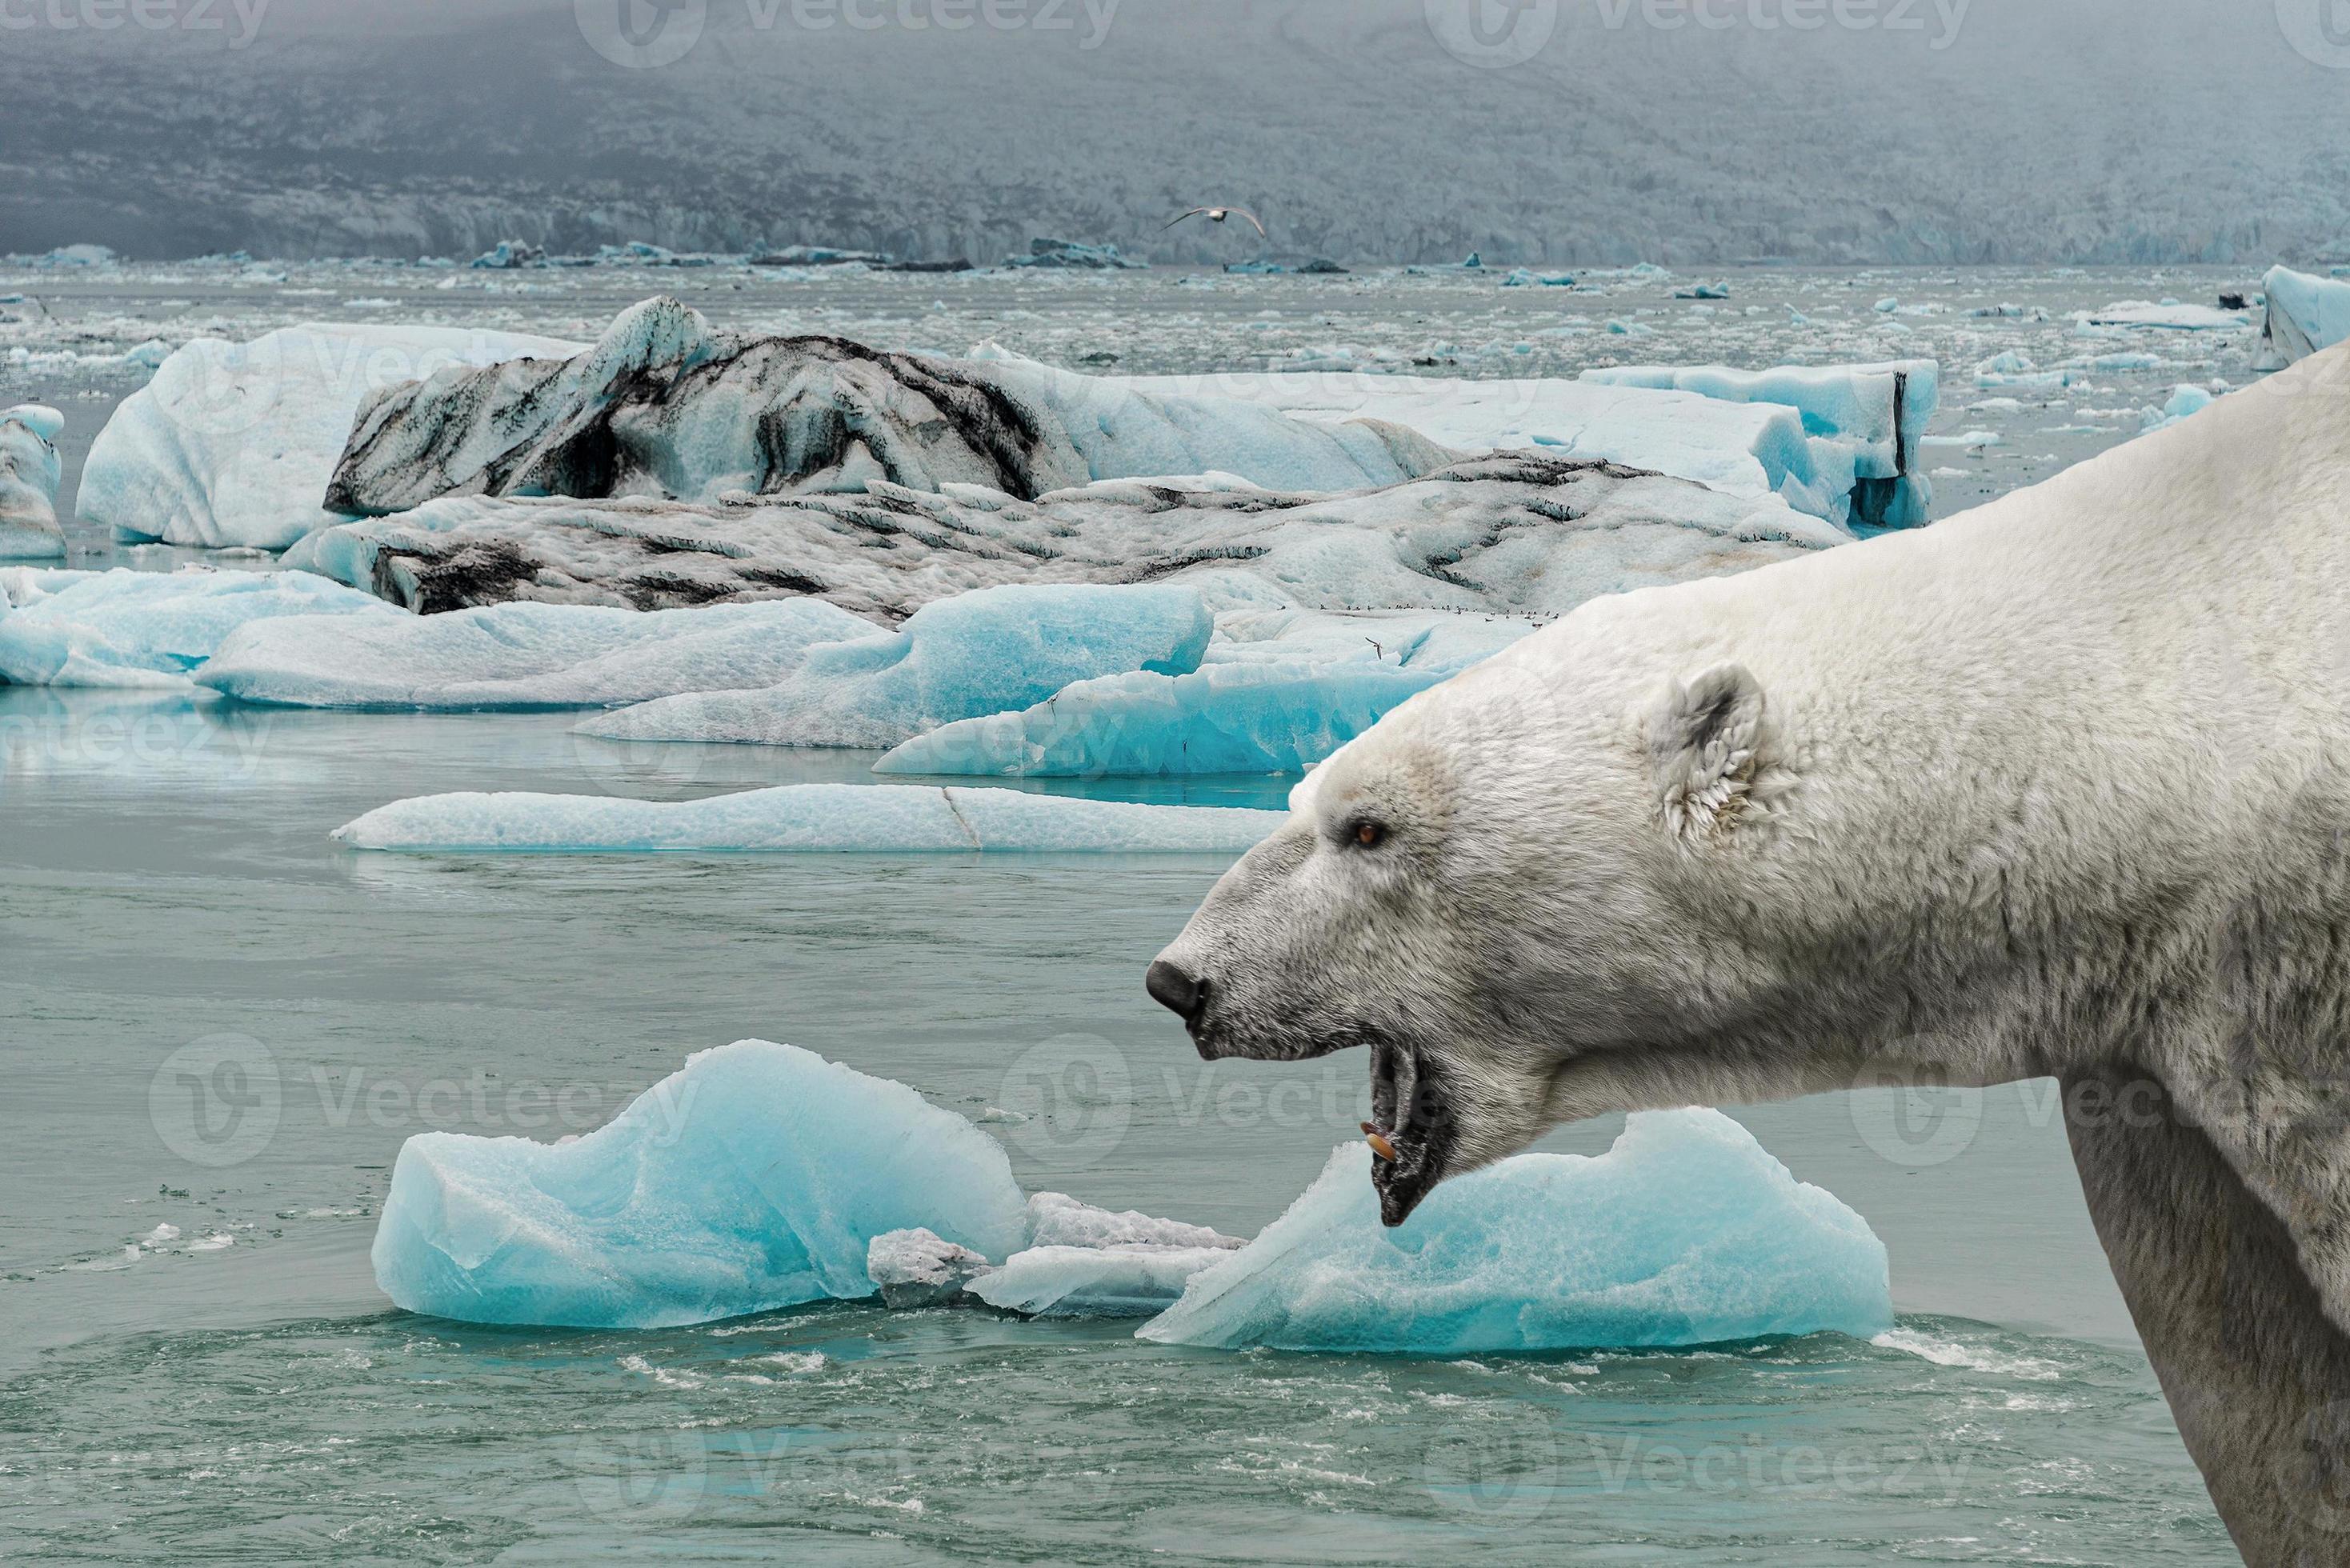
1217, 214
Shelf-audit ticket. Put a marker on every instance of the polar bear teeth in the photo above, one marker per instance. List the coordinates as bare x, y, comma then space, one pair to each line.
1379, 1143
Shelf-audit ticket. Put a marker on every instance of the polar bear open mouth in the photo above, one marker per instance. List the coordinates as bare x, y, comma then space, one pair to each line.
1410, 1130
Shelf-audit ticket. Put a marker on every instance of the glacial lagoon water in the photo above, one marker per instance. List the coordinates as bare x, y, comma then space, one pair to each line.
217, 1027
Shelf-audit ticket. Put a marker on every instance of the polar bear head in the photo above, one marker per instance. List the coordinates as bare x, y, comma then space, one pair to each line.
1511, 898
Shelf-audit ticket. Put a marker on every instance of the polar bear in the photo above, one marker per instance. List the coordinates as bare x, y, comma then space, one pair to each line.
2057, 787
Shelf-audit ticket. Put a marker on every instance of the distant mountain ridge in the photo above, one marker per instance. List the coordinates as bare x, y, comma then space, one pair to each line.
2090, 131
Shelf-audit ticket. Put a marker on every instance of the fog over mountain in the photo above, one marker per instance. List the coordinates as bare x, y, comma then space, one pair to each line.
2000, 130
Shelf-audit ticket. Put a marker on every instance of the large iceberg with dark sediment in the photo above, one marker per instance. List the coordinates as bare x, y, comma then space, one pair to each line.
2306, 314
1801, 435
886, 818
233, 443
1685, 1233
756, 1177
1519, 534
665, 405
980, 652
122, 628
522, 656
28, 483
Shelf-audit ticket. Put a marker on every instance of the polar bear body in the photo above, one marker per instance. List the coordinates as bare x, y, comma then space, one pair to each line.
2057, 787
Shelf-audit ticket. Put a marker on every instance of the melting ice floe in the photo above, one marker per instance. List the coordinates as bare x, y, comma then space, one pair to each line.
977, 653
232, 443
761, 1176
123, 627
521, 655
28, 483
1226, 718
756, 1177
804, 818
1685, 1231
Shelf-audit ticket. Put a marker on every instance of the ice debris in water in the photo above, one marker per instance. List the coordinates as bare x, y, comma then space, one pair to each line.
1094, 1282
955, 658
1685, 1233
806, 817
123, 627
522, 655
28, 483
919, 1268
756, 1177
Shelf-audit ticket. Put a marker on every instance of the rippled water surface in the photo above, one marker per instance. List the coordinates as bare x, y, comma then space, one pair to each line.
240, 1392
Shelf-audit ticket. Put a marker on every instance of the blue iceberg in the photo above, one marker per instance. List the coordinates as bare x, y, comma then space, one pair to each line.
522, 655
803, 818
2306, 314
122, 628
1685, 1233
1223, 719
756, 1177
954, 659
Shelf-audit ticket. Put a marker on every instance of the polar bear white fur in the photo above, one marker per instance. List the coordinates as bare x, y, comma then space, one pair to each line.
2057, 787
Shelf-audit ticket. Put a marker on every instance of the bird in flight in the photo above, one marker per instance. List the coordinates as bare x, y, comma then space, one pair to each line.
1217, 214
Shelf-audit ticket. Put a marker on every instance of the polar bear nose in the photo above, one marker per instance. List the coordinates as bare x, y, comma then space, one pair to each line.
1176, 991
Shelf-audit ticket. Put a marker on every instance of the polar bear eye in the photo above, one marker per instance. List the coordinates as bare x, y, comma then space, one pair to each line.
1370, 834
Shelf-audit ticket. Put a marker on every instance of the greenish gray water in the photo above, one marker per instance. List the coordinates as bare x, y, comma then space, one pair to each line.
165, 878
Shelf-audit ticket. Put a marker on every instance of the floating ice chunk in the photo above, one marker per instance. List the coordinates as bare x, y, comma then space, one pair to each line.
1057, 1220
232, 443
918, 1268
807, 818
1073, 253
522, 655
1223, 719
754, 1177
2167, 315
980, 652
1743, 449
2306, 314
2186, 401
1094, 1282
123, 627
1685, 1233
28, 483
1862, 423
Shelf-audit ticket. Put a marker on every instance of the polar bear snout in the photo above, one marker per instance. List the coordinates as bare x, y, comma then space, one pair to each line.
1178, 989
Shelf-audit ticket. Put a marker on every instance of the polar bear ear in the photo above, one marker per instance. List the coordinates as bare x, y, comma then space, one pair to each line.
1701, 744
